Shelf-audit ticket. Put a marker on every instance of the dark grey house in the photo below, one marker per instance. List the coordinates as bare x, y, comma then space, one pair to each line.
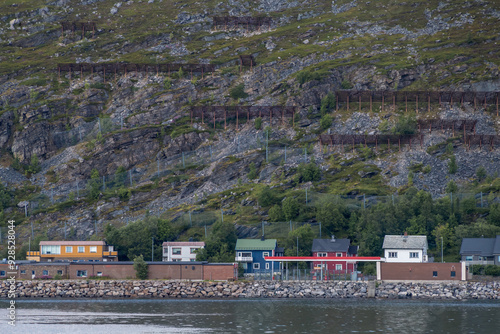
481, 250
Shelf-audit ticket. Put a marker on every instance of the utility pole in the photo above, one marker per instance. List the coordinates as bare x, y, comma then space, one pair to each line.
297, 246
320, 230
442, 250
152, 248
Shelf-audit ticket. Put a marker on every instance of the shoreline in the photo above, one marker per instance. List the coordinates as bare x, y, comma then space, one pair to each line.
159, 289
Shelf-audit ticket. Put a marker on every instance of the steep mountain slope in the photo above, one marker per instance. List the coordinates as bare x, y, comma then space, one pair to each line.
84, 149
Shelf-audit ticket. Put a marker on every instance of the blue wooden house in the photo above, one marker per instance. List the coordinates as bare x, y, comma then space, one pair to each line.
251, 252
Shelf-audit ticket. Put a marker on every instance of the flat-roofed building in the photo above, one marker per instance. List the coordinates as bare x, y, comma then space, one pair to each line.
93, 251
185, 251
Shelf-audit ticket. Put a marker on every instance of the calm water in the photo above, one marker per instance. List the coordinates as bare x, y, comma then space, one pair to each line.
252, 316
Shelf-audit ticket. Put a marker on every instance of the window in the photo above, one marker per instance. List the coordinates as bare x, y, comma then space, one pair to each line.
32, 272
93, 249
264, 254
338, 267
245, 254
256, 266
45, 273
267, 265
2, 272
192, 260
23, 272
81, 273
69, 249
339, 254
393, 254
99, 273
193, 250
434, 274
49, 249
244, 265
321, 254
59, 272
81, 249
176, 251
176, 260
453, 273
413, 255
468, 258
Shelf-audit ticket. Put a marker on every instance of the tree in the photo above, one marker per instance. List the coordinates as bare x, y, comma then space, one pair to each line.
406, 125
327, 104
275, 213
308, 172
326, 122
290, 208
452, 165
238, 92
451, 187
94, 184
140, 267
305, 236
481, 173
258, 123
494, 216
266, 197
252, 174
219, 247
331, 216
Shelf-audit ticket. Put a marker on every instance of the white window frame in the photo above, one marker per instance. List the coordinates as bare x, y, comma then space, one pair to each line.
3, 273
249, 254
69, 249
267, 265
393, 255
414, 255
23, 272
45, 273
99, 273
322, 254
93, 249
50, 249
338, 266
256, 265
81, 249
264, 254
174, 249
338, 254
193, 250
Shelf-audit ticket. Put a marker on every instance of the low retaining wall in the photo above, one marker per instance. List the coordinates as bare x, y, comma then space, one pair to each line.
180, 289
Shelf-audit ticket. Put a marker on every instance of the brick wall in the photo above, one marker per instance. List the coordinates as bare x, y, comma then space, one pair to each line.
421, 271
52, 270
117, 271
219, 272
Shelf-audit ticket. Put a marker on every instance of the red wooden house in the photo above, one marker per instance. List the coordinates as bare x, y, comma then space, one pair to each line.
334, 248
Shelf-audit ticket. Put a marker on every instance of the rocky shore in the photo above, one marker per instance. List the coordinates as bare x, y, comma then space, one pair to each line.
184, 289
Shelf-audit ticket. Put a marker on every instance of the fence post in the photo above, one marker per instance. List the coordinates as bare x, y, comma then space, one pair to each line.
103, 183
320, 230
99, 121
392, 199
32, 234
64, 230
205, 231
364, 201
305, 155
481, 199
130, 177
190, 221
290, 225
183, 163
158, 167
222, 215
77, 190
95, 226
26, 210
52, 195
285, 154
210, 152
306, 196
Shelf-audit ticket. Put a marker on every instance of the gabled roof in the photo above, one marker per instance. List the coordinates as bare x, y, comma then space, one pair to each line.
327, 245
479, 246
405, 242
256, 244
496, 249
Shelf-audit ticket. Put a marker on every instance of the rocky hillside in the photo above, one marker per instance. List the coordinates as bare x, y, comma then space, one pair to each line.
80, 150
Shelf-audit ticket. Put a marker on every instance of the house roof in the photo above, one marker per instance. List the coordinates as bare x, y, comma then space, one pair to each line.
353, 249
256, 244
72, 243
480, 246
183, 243
405, 242
327, 245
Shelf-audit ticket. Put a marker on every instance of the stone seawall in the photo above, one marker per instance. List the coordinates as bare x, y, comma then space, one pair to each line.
184, 289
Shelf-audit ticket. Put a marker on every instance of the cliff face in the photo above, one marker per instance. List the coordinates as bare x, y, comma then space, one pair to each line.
136, 126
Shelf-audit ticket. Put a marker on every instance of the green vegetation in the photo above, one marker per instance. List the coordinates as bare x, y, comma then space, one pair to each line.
452, 165
140, 267
238, 92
